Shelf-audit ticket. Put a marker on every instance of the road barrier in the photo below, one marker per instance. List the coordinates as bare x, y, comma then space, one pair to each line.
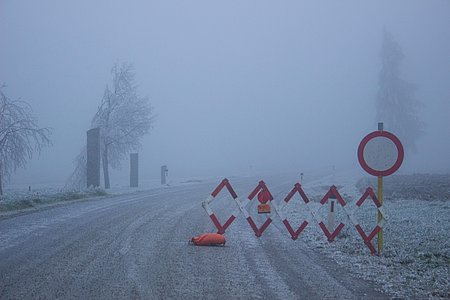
263, 194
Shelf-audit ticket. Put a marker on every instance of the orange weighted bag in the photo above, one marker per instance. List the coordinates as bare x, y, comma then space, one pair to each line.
208, 239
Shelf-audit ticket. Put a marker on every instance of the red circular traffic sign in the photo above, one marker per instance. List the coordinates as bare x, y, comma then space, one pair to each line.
380, 153
263, 196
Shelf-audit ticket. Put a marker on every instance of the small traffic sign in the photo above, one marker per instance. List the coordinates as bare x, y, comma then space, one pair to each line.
264, 208
264, 196
380, 153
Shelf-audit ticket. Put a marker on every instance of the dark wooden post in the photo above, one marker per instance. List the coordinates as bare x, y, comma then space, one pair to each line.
93, 158
134, 170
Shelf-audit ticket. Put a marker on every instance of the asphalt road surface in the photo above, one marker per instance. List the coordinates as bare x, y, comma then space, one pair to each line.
135, 247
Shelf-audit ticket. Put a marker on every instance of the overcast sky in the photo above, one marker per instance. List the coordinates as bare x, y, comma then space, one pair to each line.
272, 85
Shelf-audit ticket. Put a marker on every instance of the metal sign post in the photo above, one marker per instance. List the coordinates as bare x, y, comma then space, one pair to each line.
380, 216
380, 198
380, 154
332, 215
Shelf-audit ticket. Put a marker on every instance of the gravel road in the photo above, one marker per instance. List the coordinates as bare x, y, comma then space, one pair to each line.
135, 247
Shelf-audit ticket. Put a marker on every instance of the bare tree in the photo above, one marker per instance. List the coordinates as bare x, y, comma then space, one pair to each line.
77, 179
20, 136
123, 118
396, 104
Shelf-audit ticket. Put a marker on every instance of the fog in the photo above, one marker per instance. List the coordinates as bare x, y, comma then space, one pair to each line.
238, 86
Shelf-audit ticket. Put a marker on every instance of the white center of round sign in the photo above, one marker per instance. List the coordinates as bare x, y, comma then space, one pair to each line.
380, 153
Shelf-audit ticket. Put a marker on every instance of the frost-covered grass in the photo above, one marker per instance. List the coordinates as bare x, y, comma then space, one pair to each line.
428, 187
22, 199
19, 197
415, 261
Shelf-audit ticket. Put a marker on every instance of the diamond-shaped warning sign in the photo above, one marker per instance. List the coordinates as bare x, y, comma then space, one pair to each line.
220, 228
264, 196
334, 194
297, 189
368, 238
271, 209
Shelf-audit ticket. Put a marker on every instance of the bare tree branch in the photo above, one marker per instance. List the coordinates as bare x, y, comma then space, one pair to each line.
77, 179
20, 136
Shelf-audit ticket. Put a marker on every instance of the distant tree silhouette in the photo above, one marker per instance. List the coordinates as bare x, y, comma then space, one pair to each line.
396, 104
123, 118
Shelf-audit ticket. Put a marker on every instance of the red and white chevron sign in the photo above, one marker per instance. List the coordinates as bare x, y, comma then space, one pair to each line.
220, 228
262, 192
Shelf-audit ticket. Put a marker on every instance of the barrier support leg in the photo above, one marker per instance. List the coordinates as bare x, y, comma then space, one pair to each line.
380, 216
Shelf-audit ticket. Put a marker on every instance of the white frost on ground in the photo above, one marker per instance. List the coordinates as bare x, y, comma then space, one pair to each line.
415, 260
21, 196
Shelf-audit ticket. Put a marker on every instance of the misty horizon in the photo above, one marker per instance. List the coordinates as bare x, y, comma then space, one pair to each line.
237, 87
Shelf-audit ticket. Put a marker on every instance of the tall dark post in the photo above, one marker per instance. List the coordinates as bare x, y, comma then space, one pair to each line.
134, 170
1, 187
93, 157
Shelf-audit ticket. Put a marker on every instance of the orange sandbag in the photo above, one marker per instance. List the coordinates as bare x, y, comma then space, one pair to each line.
208, 239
